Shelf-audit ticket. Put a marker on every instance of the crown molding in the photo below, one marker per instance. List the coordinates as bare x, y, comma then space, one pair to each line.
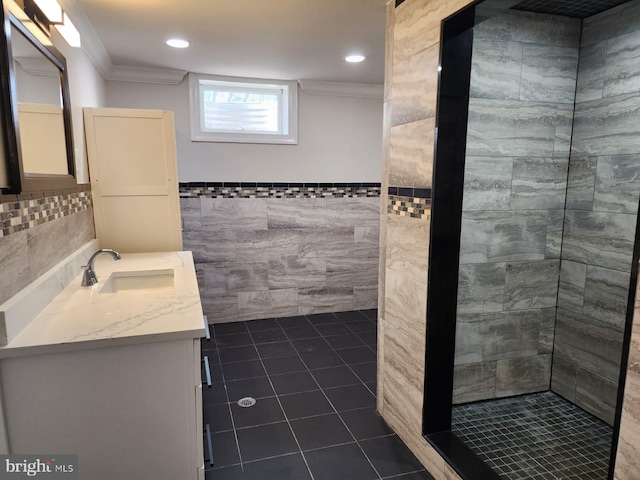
97, 53
165, 76
342, 89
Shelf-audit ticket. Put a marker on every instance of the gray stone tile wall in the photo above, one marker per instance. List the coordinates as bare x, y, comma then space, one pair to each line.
27, 254
274, 257
523, 77
601, 213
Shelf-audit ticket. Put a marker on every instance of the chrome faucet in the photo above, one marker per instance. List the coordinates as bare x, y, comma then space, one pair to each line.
89, 278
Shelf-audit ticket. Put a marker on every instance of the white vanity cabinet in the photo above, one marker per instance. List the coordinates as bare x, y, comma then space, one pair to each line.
112, 377
129, 412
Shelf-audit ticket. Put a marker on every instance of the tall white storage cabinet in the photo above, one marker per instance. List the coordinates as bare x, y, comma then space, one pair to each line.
133, 170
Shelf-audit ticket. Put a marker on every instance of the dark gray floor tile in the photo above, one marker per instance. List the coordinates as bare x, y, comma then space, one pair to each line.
278, 468
324, 359
329, 329
293, 383
215, 395
367, 372
216, 373
226, 473
293, 322
259, 387
320, 318
225, 450
343, 462
369, 338
306, 404
370, 314
349, 340
266, 324
266, 441
296, 333
373, 387
218, 417
390, 456
221, 329
240, 370
309, 345
357, 355
365, 423
350, 397
365, 326
208, 346
351, 316
235, 340
422, 475
266, 410
277, 349
322, 431
280, 365
238, 354
335, 377
268, 336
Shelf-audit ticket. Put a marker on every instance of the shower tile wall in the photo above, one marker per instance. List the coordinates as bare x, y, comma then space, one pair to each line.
601, 211
277, 257
523, 79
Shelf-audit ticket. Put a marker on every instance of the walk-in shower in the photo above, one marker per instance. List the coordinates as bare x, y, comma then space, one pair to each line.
536, 191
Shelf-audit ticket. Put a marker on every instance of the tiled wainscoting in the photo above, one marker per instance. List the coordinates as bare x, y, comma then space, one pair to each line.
38, 233
274, 250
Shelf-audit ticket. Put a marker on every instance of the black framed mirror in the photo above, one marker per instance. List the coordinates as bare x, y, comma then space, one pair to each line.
36, 128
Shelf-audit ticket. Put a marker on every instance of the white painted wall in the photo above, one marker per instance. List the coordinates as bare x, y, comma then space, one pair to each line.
87, 89
340, 139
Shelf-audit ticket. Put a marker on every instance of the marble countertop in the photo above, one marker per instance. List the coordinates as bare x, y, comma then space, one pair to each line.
81, 318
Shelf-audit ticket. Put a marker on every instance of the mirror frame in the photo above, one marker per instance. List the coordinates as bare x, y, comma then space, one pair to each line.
20, 181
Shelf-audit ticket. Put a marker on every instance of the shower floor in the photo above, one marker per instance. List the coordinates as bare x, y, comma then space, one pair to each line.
538, 436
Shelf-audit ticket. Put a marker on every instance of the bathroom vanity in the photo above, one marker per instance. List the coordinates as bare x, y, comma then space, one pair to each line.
111, 372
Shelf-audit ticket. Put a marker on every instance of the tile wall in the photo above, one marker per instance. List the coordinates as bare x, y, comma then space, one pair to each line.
601, 213
411, 78
523, 81
281, 250
36, 234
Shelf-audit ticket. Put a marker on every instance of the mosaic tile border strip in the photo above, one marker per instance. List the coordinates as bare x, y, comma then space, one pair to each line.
278, 190
22, 215
414, 207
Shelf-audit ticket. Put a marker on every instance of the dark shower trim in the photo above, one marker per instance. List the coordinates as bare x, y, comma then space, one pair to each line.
446, 221
460, 457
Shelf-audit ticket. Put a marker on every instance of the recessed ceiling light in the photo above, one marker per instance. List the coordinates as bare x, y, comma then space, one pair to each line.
355, 58
178, 43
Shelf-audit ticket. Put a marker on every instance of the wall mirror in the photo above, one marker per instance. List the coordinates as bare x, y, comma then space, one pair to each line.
38, 139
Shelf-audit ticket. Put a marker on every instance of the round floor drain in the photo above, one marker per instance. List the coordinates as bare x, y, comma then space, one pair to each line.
247, 402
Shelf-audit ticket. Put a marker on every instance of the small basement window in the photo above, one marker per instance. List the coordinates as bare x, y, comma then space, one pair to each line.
225, 109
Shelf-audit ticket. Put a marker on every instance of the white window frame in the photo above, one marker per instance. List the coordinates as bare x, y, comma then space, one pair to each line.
288, 110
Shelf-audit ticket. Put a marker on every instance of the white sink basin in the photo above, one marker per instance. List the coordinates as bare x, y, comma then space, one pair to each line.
138, 280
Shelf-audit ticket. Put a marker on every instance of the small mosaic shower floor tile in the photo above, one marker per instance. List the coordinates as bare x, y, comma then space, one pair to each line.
538, 436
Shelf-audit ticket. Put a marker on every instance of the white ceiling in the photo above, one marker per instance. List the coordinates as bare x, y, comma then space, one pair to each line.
280, 39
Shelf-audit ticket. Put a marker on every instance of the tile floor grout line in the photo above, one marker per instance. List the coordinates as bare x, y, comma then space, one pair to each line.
304, 459
342, 420
224, 383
